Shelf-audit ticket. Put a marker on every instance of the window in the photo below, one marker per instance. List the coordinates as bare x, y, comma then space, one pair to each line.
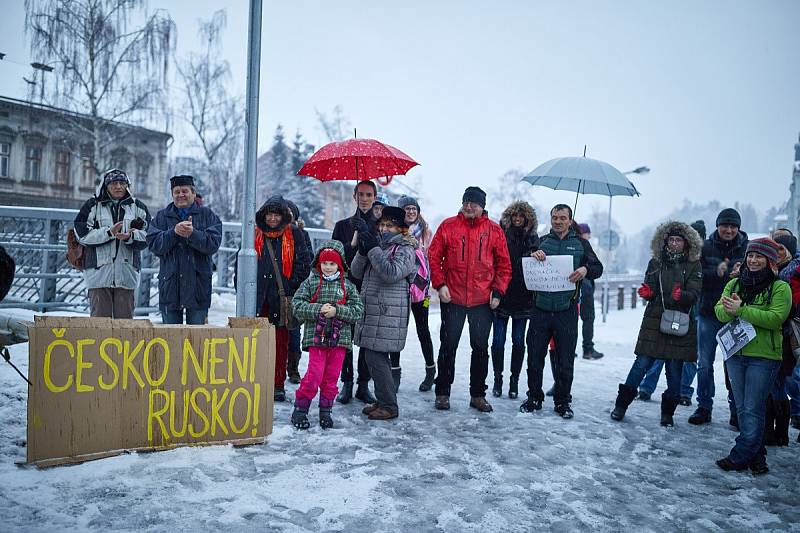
87, 172
33, 163
5, 153
62, 167
142, 170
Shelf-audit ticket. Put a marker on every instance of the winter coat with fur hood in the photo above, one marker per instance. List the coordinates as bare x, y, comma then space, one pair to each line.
384, 273
518, 300
685, 272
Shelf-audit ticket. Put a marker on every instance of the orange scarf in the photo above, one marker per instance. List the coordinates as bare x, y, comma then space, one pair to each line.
287, 247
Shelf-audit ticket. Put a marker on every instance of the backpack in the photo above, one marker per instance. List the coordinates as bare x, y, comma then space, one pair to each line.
75, 250
418, 285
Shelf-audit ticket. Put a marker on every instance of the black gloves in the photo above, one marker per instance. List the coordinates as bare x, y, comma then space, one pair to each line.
137, 223
360, 225
367, 240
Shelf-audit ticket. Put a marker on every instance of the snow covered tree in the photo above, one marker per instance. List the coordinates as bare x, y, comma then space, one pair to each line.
110, 59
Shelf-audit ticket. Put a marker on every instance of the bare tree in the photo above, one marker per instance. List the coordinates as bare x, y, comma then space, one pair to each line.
509, 188
214, 116
110, 58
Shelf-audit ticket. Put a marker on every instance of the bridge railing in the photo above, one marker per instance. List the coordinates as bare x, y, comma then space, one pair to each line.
36, 239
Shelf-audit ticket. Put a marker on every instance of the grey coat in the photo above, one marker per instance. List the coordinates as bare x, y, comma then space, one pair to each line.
385, 273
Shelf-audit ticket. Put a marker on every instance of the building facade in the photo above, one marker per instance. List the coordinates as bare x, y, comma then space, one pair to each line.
793, 204
45, 160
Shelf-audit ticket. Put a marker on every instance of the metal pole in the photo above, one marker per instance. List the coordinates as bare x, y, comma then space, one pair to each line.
605, 282
246, 292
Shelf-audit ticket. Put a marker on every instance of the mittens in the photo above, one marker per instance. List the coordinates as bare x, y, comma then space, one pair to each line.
645, 291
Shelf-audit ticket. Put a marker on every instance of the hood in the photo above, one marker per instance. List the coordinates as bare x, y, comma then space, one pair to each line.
335, 245
694, 244
283, 207
101, 193
526, 209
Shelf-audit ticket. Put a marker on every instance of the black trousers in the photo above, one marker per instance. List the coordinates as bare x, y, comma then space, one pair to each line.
347, 365
420, 312
563, 327
587, 314
480, 324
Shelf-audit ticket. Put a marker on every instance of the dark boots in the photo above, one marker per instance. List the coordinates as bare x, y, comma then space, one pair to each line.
300, 417
396, 373
325, 419
430, 375
497, 388
668, 405
625, 396
497, 366
776, 430
292, 367
769, 422
346, 394
513, 383
363, 393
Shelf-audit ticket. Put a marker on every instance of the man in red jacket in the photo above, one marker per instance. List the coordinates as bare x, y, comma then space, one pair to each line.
471, 269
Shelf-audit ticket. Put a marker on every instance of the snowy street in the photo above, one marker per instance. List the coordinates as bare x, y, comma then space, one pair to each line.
425, 471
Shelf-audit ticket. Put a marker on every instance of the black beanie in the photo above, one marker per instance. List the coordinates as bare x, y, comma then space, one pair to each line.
729, 216
394, 214
475, 195
789, 241
180, 181
700, 227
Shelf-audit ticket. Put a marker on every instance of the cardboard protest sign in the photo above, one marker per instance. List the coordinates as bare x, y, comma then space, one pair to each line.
102, 386
550, 275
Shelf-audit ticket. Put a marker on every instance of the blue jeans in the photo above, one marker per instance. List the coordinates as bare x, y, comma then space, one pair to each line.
793, 390
499, 328
673, 370
175, 316
751, 380
650, 380
707, 328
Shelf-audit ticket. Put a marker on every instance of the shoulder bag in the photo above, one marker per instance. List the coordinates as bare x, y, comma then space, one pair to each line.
287, 319
673, 322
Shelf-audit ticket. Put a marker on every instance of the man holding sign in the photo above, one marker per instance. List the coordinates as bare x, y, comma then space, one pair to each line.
555, 311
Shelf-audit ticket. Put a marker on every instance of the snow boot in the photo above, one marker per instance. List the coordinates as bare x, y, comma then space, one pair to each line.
497, 389
668, 405
644, 396
430, 375
513, 385
363, 393
292, 367
625, 396
346, 394
325, 419
782, 409
702, 416
442, 403
480, 403
300, 417
530, 405
396, 373
564, 410
279, 396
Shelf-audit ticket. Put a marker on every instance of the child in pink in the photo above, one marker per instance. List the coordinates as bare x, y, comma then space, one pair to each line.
327, 304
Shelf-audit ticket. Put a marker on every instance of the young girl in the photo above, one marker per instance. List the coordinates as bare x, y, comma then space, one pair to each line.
326, 303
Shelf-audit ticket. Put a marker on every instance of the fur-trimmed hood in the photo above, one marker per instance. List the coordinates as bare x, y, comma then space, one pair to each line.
520, 207
274, 203
694, 244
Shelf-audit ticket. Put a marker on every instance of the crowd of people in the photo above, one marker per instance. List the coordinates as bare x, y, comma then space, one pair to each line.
382, 264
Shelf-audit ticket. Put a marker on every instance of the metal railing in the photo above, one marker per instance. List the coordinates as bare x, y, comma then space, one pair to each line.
618, 291
36, 238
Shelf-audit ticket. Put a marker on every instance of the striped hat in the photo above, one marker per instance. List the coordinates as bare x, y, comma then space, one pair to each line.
766, 247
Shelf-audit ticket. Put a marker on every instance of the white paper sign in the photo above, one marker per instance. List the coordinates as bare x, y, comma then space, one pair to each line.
734, 336
550, 275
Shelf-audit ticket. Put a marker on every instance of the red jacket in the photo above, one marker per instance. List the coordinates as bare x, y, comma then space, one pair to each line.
471, 258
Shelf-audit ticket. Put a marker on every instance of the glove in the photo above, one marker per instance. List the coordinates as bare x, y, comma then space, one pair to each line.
367, 240
676, 292
137, 223
645, 291
359, 225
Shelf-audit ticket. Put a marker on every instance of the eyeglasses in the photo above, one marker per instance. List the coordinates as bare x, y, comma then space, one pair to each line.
386, 225
675, 240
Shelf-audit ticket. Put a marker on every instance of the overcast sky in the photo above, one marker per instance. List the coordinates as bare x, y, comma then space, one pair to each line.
707, 94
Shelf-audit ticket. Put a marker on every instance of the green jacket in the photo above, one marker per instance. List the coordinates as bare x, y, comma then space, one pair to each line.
767, 314
582, 256
329, 292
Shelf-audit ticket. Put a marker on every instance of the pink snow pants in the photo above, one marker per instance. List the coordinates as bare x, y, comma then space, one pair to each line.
324, 366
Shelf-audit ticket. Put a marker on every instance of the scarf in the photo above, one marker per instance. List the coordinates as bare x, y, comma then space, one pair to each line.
672, 257
754, 283
332, 277
287, 247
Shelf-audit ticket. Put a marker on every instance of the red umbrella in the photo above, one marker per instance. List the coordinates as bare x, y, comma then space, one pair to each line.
356, 159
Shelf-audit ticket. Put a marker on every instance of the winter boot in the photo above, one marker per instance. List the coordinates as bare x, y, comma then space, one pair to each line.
782, 409
292, 367
513, 384
769, 422
325, 407
430, 375
396, 373
497, 389
279, 396
300, 417
668, 405
346, 394
442, 403
701, 416
530, 405
363, 393
625, 396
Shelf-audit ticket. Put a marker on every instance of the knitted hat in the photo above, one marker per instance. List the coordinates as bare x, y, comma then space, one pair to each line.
405, 201
790, 242
180, 181
474, 195
396, 215
766, 247
675, 231
585, 228
700, 227
729, 216
113, 175
329, 254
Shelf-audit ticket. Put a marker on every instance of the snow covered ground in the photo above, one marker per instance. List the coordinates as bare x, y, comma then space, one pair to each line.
425, 471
